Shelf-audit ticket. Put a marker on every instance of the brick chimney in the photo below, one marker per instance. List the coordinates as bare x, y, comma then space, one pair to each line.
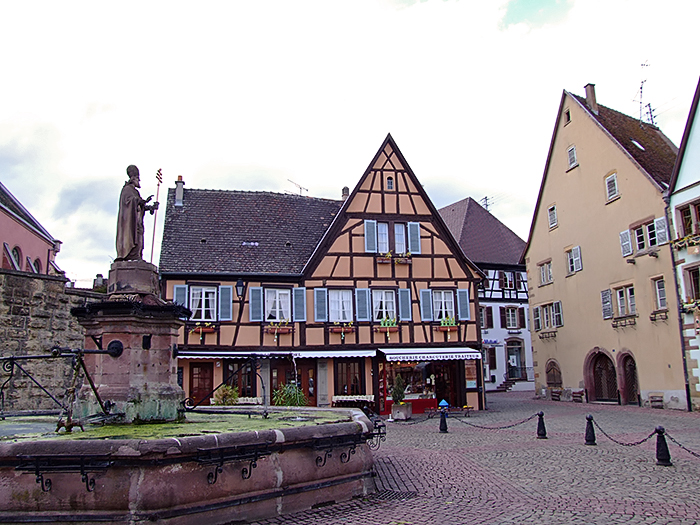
590, 98
345, 194
179, 190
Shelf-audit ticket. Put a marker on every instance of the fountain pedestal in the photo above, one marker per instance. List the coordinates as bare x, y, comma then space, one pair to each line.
142, 382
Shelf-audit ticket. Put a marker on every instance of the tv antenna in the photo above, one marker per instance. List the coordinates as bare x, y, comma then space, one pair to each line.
650, 111
301, 188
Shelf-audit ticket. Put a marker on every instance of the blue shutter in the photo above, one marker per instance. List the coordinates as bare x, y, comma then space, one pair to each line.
426, 305
225, 303
404, 304
255, 305
463, 310
414, 237
364, 312
371, 236
320, 305
180, 294
299, 300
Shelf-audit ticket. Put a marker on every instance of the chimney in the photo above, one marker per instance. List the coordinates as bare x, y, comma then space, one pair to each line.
590, 98
179, 190
345, 194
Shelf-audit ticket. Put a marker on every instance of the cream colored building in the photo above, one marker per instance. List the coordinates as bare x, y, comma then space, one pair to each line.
603, 311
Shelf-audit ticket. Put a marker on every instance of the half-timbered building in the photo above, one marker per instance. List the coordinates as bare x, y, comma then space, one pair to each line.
503, 296
337, 297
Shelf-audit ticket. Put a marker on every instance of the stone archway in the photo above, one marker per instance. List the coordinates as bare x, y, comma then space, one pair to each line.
604, 378
629, 384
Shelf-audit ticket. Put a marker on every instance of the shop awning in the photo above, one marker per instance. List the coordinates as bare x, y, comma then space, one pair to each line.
338, 353
296, 354
429, 354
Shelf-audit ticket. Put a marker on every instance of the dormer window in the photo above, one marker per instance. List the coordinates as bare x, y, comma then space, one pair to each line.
390, 183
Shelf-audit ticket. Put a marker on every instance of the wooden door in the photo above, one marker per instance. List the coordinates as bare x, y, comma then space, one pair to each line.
201, 382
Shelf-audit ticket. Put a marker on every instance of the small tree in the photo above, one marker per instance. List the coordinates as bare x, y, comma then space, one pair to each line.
226, 395
397, 392
289, 395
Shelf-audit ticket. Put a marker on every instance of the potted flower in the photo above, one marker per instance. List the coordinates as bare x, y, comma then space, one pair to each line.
280, 328
447, 324
404, 258
384, 258
399, 409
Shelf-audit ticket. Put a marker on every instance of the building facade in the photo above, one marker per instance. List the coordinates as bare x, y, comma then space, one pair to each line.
503, 296
336, 297
684, 210
598, 262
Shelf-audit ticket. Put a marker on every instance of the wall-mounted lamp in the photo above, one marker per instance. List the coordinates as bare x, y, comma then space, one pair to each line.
240, 288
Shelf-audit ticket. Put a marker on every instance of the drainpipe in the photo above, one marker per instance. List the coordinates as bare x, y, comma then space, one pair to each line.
679, 301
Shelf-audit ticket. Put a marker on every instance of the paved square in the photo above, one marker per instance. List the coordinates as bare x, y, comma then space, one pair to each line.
474, 476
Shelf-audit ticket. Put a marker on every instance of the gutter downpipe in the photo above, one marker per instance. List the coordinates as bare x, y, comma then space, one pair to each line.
667, 198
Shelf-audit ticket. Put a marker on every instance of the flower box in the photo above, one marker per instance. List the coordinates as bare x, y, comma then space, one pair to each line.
403, 260
203, 330
452, 328
280, 330
383, 260
386, 329
341, 329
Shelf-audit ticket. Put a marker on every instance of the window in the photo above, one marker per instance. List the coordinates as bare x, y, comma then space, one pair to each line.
277, 305
383, 237
626, 304
383, 305
572, 157
639, 238
660, 294
611, 186
692, 284
547, 316
340, 302
390, 183
545, 273
552, 214
406, 237
506, 280
567, 116
625, 243
349, 379
443, 304
573, 260
512, 318
486, 317
686, 221
203, 303
400, 238
645, 236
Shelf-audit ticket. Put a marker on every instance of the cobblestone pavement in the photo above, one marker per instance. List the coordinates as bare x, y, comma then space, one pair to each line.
474, 476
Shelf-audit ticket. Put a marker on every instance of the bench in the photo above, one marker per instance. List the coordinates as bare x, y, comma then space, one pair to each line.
556, 394
656, 399
466, 409
577, 396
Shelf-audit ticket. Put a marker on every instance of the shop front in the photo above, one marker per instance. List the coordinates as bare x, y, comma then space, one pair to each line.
430, 376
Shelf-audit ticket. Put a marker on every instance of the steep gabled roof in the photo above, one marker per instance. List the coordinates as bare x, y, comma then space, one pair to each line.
686, 135
242, 232
483, 238
14, 208
659, 153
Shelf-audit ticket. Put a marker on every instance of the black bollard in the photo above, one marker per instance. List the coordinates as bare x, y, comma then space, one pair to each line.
590, 432
663, 456
541, 430
443, 422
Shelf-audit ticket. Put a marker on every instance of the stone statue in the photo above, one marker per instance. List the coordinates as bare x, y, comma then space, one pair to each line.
130, 222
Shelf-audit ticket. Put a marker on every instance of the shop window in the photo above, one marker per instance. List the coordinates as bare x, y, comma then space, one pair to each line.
349, 377
239, 374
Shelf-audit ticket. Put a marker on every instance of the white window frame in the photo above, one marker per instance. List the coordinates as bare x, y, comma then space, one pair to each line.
537, 318
383, 304
278, 305
660, 294
443, 304
573, 260
203, 303
383, 237
611, 189
639, 238
546, 273
400, 238
340, 306
548, 316
571, 156
552, 216
626, 301
512, 322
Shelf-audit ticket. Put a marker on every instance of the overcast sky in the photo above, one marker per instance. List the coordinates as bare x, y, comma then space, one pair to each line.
249, 94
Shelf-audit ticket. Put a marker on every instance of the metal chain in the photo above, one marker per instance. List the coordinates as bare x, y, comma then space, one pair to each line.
683, 447
533, 416
634, 444
406, 423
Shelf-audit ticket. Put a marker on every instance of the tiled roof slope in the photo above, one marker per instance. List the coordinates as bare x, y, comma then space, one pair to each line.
659, 153
218, 231
10, 203
483, 238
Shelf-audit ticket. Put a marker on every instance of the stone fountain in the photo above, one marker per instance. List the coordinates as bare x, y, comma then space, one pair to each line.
130, 371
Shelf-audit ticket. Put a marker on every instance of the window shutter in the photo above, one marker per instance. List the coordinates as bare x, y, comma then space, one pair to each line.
558, 317
426, 305
661, 233
606, 300
180, 294
501, 280
371, 236
463, 310
578, 264
299, 300
255, 304
521, 318
626, 243
611, 185
364, 312
536, 318
489, 317
552, 213
504, 321
320, 305
225, 303
518, 281
404, 304
414, 237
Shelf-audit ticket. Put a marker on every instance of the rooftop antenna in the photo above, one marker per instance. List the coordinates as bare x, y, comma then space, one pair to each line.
641, 93
301, 188
485, 202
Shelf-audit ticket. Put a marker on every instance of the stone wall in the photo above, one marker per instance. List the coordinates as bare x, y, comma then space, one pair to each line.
34, 316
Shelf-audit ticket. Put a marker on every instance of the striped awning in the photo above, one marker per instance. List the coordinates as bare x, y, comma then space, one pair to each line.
430, 354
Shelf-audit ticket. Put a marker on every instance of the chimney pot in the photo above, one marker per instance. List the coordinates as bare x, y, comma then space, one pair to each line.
179, 190
590, 98
346, 193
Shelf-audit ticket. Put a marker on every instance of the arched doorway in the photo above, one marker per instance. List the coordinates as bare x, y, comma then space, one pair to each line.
553, 375
604, 378
630, 387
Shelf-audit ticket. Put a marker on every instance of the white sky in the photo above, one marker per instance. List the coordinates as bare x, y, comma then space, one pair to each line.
248, 94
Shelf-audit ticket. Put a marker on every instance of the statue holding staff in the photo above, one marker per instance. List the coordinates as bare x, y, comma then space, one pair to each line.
130, 221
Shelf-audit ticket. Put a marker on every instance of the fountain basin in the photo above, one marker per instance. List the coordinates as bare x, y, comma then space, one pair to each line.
219, 478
